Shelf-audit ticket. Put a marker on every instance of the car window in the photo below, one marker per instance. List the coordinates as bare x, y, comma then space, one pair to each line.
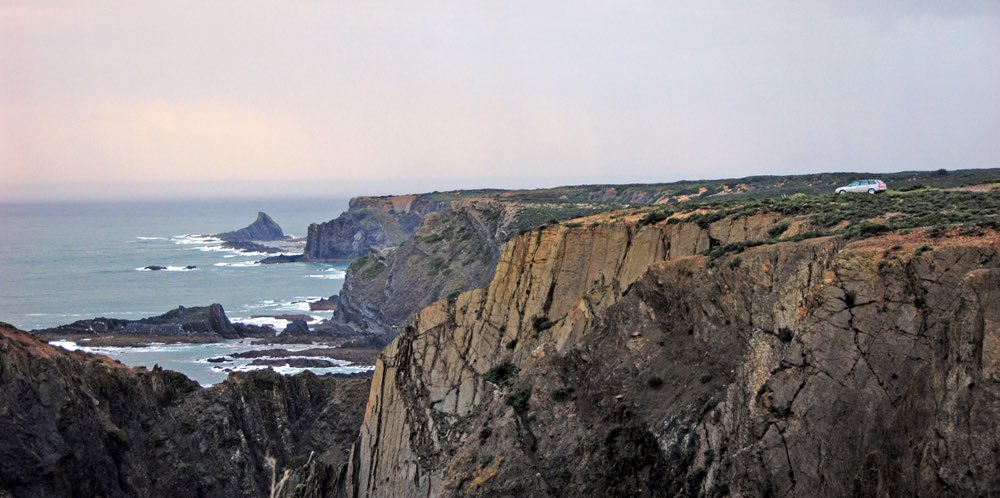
852, 184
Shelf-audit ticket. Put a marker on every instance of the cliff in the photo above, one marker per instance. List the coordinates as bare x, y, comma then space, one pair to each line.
613, 358
369, 224
74, 424
372, 224
453, 250
263, 228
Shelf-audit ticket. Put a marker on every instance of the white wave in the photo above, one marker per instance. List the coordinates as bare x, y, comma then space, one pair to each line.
169, 268
290, 370
330, 274
188, 239
239, 264
335, 361
264, 321
267, 303
214, 249
151, 238
67, 345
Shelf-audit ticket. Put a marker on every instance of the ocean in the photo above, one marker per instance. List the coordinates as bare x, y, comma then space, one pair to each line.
64, 262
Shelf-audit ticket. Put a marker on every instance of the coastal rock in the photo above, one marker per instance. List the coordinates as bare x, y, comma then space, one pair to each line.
614, 360
296, 327
263, 228
453, 250
155, 268
369, 224
248, 246
294, 362
325, 304
75, 424
198, 321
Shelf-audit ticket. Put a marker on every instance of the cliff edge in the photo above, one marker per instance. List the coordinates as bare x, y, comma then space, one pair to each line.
614, 358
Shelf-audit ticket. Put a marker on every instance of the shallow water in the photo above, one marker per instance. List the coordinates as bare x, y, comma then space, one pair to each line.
191, 359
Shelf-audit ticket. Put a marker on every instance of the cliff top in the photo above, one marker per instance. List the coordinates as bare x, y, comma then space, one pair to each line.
764, 186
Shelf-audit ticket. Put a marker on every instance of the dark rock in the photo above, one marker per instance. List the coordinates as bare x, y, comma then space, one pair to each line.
326, 304
263, 228
294, 362
190, 267
75, 424
220, 359
156, 267
282, 258
249, 246
359, 356
195, 321
297, 327
305, 318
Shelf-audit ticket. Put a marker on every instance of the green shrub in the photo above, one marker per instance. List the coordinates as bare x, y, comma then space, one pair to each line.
562, 394
518, 399
542, 323
777, 230
485, 434
653, 217
502, 374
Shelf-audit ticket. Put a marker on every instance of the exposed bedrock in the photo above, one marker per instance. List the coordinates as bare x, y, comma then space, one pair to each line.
607, 360
75, 424
205, 322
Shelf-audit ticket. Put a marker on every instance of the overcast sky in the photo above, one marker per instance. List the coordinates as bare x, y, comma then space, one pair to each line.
249, 98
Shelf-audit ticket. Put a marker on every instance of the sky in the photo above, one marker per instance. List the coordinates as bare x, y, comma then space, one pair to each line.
137, 99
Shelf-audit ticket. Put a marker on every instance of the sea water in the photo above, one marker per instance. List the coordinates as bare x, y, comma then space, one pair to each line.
64, 262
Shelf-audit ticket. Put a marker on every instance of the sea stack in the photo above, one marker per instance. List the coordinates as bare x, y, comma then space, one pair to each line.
263, 228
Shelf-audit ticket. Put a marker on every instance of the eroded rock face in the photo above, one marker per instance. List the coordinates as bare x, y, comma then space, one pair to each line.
369, 224
73, 424
452, 251
610, 360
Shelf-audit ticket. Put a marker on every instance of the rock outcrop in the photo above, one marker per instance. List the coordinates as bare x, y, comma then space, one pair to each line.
263, 228
451, 251
613, 359
75, 424
203, 322
369, 224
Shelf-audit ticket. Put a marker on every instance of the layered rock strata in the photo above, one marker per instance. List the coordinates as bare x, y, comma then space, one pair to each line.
610, 359
452, 251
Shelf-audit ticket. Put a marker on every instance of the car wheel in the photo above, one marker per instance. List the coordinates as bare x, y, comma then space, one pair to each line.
871, 191
841, 192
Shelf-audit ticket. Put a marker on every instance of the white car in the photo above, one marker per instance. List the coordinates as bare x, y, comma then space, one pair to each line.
870, 186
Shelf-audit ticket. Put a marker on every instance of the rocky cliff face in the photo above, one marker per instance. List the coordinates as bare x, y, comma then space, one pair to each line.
73, 424
369, 224
610, 359
451, 251
263, 228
